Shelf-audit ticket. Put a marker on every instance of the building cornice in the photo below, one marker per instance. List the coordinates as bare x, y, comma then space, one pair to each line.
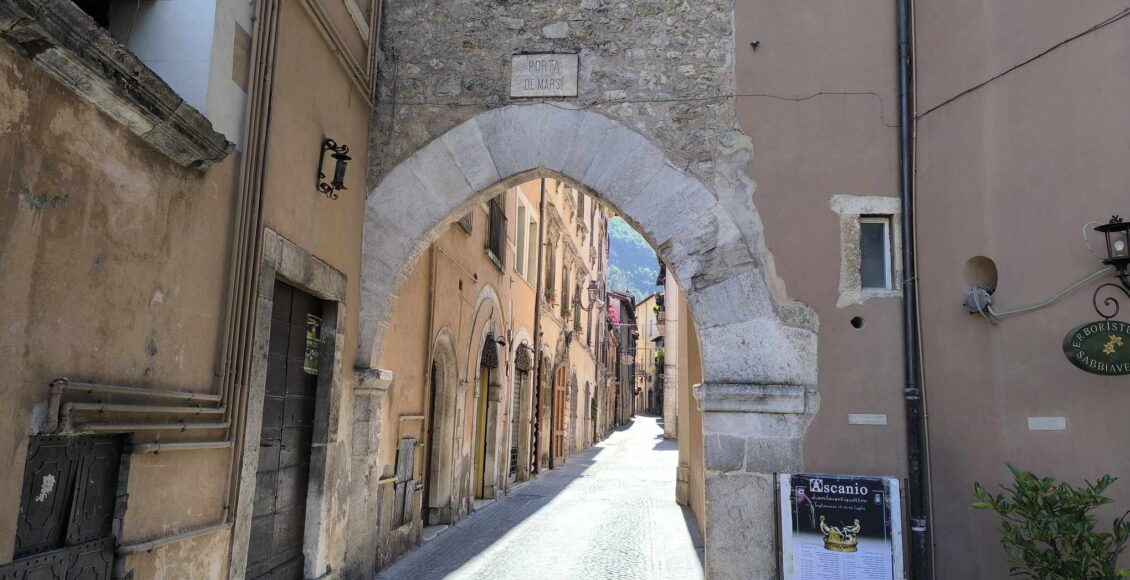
66, 43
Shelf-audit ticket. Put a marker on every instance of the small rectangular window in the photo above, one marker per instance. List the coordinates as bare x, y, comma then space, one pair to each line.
875, 252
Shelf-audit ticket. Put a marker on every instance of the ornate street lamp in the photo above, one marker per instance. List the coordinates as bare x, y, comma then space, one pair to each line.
1117, 235
594, 298
341, 160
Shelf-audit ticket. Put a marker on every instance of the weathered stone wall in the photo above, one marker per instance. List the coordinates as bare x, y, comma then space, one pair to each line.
654, 133
663, 67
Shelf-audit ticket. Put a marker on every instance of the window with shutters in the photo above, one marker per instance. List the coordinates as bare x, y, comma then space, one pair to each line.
496, 234
550, 272
532, 250
566, 306
525, 239
520, 247
405, 484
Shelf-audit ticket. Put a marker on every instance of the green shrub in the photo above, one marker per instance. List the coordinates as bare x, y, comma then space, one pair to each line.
1048, 532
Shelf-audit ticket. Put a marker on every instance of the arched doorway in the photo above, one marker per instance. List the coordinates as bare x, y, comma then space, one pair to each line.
557, 451
439, 463
573, 440
486, 412
758, 347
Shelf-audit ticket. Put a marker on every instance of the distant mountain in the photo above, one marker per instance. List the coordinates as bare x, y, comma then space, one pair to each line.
632, 264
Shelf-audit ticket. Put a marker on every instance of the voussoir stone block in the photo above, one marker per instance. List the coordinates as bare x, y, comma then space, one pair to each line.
470, 153
671, 201
590, 137
512, 135
560, 126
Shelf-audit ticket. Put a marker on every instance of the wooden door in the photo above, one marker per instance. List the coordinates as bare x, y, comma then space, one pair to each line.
430, 459
559, 428
67, 505
480, 430
279, 515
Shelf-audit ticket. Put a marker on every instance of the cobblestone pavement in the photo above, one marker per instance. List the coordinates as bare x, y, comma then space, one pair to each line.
608, 513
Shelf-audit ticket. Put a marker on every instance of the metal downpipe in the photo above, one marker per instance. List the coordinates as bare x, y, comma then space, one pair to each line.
915, 438
539, 296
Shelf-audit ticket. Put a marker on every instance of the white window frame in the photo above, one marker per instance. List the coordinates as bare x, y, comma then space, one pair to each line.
527, 267
888, 258
521, 239
533, 249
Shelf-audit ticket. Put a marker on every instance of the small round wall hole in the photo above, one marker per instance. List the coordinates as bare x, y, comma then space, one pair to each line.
981, 271
857, 322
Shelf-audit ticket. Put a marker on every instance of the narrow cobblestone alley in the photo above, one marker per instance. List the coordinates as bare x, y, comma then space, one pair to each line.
610, 512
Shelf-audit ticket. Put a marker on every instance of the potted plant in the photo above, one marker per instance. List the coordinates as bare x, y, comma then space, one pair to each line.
1048, 531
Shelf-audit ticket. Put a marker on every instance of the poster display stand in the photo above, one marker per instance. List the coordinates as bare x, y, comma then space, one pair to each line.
841, 527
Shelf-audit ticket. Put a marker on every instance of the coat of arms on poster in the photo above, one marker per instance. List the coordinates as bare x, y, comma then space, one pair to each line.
840, 526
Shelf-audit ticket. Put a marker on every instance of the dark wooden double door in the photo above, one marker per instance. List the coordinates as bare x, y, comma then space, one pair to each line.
279, 516
67, 505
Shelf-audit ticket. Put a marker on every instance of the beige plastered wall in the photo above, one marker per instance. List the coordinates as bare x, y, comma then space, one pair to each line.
313, 99
113, 270
692, 465
820, 104
1013, 171
115, 265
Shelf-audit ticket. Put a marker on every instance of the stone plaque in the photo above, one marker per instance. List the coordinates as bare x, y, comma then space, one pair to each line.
866, 419
1047, 423
543, 75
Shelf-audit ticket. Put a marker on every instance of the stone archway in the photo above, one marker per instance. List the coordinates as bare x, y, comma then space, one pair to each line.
758, 347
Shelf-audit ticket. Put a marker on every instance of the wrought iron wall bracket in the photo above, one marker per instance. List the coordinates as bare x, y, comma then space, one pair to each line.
341, 157
1109, 301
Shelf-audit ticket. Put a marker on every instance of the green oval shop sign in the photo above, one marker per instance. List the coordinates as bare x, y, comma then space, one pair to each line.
1101, 348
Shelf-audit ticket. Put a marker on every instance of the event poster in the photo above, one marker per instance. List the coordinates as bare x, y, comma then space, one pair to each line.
840, 527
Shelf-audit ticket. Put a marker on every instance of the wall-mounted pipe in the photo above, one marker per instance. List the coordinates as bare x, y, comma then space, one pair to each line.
180, 446
121, 408
169, 426
246, 256
60, 415
912, 393
128, 549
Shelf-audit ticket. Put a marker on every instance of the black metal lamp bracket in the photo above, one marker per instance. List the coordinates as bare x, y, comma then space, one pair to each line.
330, 190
